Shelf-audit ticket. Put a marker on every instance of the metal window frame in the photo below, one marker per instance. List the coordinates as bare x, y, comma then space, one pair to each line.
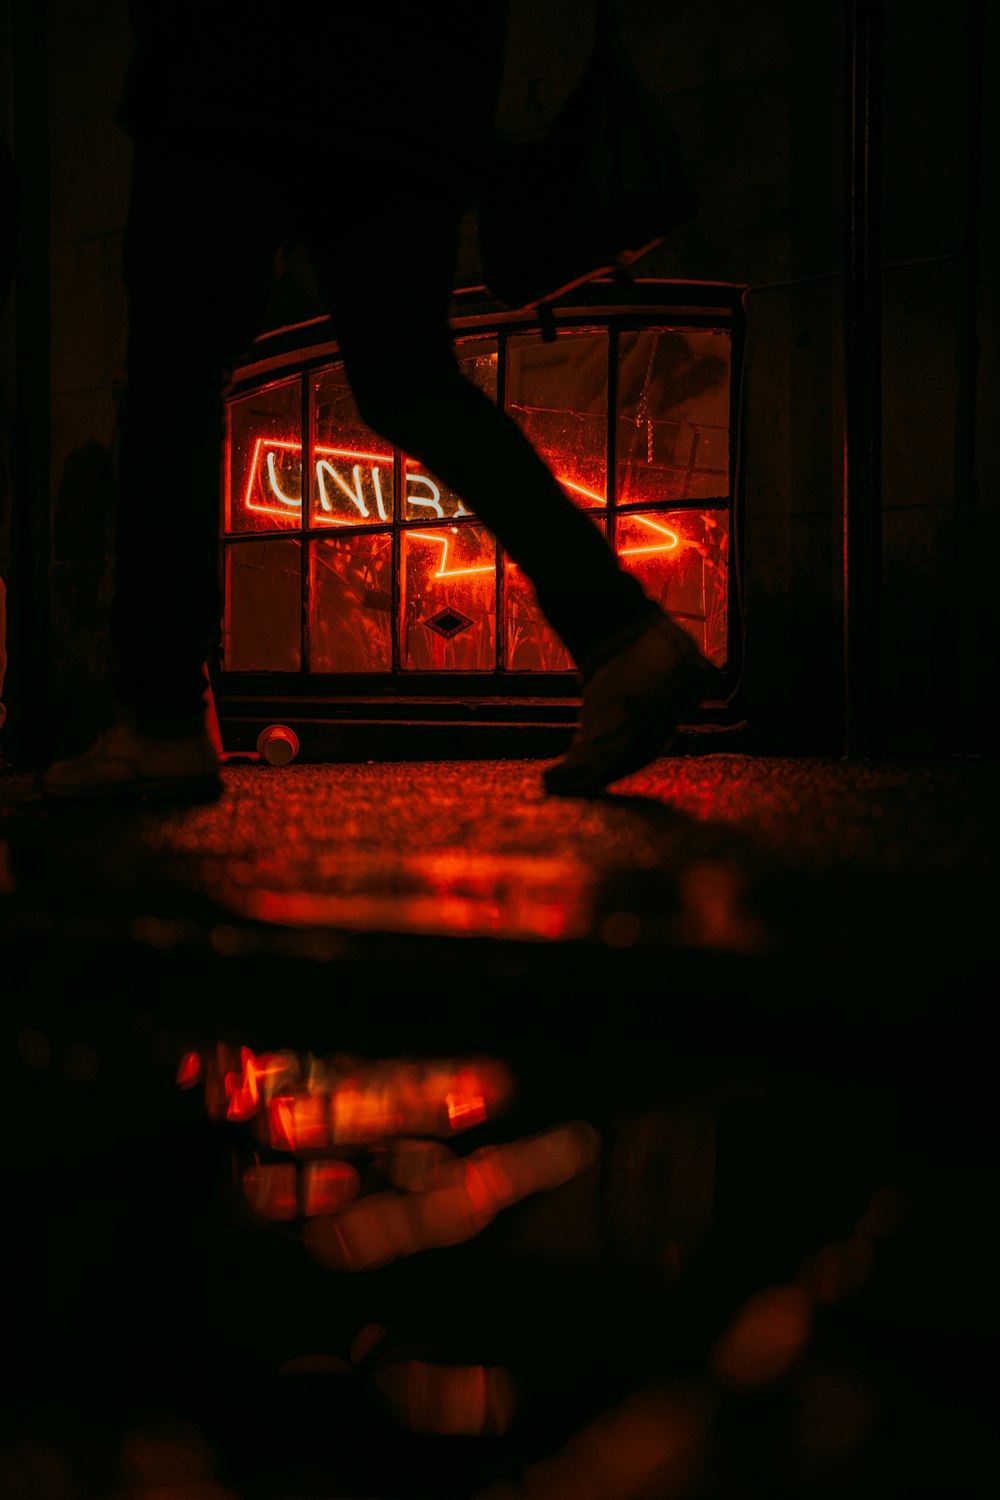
303, 351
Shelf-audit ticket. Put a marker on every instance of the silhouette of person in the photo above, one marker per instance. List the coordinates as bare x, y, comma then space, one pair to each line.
362, 134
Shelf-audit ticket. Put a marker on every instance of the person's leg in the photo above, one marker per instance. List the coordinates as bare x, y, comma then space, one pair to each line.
389, 299
641, 671
198, 268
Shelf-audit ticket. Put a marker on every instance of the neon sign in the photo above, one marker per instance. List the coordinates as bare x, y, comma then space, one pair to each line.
357, 489
336, 483
445, 542
667, 546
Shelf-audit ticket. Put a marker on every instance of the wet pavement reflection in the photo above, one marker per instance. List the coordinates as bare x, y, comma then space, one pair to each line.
725, 854
398, 1131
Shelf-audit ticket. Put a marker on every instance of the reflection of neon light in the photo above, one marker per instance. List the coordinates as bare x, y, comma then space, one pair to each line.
444, 571
464, 1111
663, 546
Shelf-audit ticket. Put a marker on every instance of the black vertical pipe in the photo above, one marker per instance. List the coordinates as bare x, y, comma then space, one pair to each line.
862, 383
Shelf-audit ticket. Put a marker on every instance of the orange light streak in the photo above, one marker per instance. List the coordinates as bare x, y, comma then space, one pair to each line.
189, 1072
663, 547
464, 1111
242, 1093
444, 571
281, 1122
590, 494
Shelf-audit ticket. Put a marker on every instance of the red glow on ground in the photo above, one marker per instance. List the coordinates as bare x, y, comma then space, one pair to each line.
327, 1186
272, 1191
281, 1123
465, 1111
242, 1093
189, 1072
767, 1336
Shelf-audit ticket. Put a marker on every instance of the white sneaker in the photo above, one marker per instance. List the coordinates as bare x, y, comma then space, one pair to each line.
122, 763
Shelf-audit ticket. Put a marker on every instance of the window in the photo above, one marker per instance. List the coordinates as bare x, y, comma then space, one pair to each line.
357, 566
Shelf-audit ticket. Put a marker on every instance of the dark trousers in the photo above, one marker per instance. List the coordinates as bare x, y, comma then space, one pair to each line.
202, 235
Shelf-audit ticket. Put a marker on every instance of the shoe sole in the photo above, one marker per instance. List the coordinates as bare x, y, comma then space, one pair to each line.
651, 735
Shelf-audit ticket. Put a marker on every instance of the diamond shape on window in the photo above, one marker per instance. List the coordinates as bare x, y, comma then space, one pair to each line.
448, 622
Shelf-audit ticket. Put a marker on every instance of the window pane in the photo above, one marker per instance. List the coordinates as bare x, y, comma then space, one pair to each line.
448, 600
352, 467
673, 415
351, 604
477, 360
263, 607
558, 394
681, 557
263, 489
428, 499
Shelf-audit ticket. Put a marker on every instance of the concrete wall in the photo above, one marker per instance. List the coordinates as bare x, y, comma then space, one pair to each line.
756, 91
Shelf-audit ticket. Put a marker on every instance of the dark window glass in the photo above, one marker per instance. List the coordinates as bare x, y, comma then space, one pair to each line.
558, 395
262, 631
681, 557
448, 599
350, 601
672, 438
263, 479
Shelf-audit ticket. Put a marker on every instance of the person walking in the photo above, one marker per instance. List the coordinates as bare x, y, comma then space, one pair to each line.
364, 135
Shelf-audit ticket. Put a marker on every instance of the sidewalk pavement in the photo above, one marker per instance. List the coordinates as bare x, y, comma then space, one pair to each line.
868, 883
